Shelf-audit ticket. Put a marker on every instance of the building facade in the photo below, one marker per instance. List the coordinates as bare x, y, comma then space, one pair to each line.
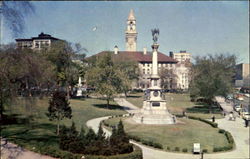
36, 43
182, 69
242, 78
172, 69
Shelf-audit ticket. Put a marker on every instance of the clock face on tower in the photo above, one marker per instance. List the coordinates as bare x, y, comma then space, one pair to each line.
156, 93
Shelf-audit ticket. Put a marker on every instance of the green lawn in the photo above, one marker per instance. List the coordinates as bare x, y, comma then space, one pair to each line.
27, 123
181, 135
177, 103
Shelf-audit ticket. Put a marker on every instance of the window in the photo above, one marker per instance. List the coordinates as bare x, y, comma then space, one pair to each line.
143, 71
37, 45
155, 82
148, 65
148, 71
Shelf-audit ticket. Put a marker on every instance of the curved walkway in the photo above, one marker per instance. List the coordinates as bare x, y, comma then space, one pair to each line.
236, 128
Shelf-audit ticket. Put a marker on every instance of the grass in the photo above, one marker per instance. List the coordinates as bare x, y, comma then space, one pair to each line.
136, 99
181, 135
27, 124
177, 103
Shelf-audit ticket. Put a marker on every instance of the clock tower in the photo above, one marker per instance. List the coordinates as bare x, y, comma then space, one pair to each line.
131, 34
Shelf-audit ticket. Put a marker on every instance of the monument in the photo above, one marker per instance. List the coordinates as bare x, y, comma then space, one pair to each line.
79, 88
154, 109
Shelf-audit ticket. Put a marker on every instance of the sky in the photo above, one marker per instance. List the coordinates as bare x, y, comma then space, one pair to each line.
199, 27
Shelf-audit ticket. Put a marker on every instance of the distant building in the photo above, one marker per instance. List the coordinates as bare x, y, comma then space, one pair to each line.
182, 68
144, 60
181, 56
242, 77
36, 43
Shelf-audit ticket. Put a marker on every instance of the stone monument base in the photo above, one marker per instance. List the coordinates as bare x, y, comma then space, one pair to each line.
156, 119
79, 93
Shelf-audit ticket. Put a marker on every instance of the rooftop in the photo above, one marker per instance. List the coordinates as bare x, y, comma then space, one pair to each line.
138, 56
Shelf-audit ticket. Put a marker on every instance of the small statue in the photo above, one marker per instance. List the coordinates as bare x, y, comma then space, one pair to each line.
155, 34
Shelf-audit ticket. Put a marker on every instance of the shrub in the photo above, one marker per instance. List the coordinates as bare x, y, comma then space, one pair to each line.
168, 148
136, 138
204, 150
229, 137
215, 125
177, 149
185, 150
157, 145
136, 154
221, 131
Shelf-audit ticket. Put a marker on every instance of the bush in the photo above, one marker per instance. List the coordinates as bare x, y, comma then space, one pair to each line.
229, 137
168, 148
215, 125
204, 150
221, 131
136, 154
225, 148
136, 138
151, 143
176, 149
185, 150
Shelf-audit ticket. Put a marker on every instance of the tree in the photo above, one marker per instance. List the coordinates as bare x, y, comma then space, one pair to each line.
128, 72
168, 78
105, 78
13, 13
59, 108
212, 76
20, 71
100, 134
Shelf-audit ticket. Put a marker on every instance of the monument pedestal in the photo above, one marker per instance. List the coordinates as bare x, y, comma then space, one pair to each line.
79, 93
154, 112
154, 109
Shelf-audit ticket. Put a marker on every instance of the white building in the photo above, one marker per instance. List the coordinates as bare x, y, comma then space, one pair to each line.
182, 68
36, 43
242, 75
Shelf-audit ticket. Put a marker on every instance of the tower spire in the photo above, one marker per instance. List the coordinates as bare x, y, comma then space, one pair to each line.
131, 15
130, 33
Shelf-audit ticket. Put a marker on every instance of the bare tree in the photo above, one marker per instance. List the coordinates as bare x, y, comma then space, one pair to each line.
12, 14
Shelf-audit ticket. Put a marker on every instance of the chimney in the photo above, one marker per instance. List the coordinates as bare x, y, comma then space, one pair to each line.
144, 51
171, 54
116, 49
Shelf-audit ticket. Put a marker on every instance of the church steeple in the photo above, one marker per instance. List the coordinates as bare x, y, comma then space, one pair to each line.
131, 34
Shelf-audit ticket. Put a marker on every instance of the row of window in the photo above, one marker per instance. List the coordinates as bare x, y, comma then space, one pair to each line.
159, 64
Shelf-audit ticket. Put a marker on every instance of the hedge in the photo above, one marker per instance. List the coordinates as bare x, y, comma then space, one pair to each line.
54, 151
215, 125
136, 154
229, 139
146, 142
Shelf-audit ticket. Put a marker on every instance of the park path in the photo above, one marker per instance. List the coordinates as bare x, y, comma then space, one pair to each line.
13, 151
236, 128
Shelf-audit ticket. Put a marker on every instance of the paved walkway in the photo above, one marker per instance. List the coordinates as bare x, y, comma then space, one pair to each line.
227, 107
12, 151
236, 128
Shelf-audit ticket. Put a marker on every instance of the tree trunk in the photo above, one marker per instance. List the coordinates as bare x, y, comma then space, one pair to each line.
107, 102
58, 127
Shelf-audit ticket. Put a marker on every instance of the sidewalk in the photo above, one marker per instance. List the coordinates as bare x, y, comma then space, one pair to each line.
236, 128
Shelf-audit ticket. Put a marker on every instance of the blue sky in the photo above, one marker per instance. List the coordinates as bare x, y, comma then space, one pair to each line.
196, 26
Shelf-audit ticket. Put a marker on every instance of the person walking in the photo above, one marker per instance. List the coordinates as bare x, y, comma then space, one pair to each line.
246, 123
213, 118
